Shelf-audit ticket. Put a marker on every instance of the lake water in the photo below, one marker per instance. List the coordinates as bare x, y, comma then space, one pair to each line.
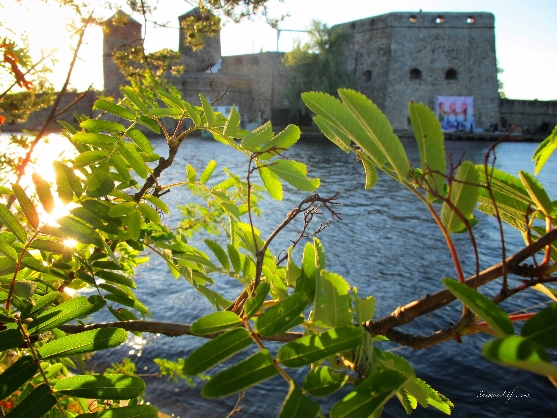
388, 246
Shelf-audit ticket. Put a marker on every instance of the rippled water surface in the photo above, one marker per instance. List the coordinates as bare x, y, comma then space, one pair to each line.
388, 246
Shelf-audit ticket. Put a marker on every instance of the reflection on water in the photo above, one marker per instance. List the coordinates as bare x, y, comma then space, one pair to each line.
387, 245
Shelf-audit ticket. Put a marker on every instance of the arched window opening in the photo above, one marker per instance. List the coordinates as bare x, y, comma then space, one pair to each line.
439, 20
413, 19
451, 74
415, 74
470, 20
353, 26
367, 75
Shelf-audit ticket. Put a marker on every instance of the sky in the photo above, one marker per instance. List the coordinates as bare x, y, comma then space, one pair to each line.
525, 33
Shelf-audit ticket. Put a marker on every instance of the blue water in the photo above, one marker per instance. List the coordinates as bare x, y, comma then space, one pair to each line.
388, 246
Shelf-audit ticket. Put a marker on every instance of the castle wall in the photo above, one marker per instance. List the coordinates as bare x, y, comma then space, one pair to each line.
531, 115
392, 45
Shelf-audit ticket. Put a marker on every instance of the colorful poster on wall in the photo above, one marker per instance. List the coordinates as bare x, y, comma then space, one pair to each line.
456, 113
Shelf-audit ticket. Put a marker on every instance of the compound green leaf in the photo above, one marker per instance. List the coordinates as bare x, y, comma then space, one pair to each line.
312, 348
335, 135
149, 213
332, 301
208, 172
84, 342
294, 173
216, 351
8, 250
482, 306
271, 182
40, 303
10, 338
214, 322
322, 381
536, 192
51, 246
544, 151
234, 258
26, 206
283, 140
134, 159
192, 113
370, 396
296, 405
219, 253
102, 125
369, 168
165, 112
170, 100
89, 157
378, 128
35, 405
110, 276
232, 123
365, 308
66, 125
254, 369
209, 112
8, 219
113, 108
43, 191
429, 136
522, 353
96, 139
74, 308
64, 187
463, 195
128, 92
254, 139
121, 209
542, 328
17, 374
140, 140
284, 315
150, 124
157, 202
115, 386
253, 304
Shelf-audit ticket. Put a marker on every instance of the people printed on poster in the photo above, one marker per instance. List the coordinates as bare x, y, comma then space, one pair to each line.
456, 113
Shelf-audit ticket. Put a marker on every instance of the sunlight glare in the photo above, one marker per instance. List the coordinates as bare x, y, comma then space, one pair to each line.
70, 243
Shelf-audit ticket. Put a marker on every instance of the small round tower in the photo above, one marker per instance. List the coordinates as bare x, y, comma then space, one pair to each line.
204, 58
120, 31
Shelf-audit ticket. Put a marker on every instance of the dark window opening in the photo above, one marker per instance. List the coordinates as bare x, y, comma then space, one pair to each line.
413, 19
470, 20
451, 74
367, 75
352, 26
415, 74
439, 20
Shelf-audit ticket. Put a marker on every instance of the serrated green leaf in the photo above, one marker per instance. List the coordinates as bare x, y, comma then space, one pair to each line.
84, 342
89, 157
482, 306
312, 348
134, 159
429, 136
66, 125
537, 192
378, 129
128, 92
26, 206
121, 209
96, 139
150, 124
463, 195
35, 405
110, 276
271, 182
140, 140
74, 308
292, 270
426, 395
322, 381
192, 113
254, 369
43, 191
171, 100
113, 108
9, 338
296, 405
216, 351
64, 187
115, 386
259, 136
370, 396
294, 173
234, 258
149, 213
284, 315
333, 134
283, 140
332, 301
214, 322
210, 116
191, 174
8, 250
232, 123
9, 220
157, 202
253, 304
40, 303
522, 353
208, 172
18, 373
542, 327
544, 151
165, 112
102, 125
370, 170
365, 308
219, 253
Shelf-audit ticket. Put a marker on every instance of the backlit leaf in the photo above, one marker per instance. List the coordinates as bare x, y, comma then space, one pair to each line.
208, 172
463, 195
133, 158
332, 301
253, 304
165, 112
140, 140
482, 306
17, 374
294, 173
157, 202
26, 206
271, 182
149, 213
135, 411
96, 139
369, 168
219, 253
109, 386
296, 405
64, 187
312, 348
114, 109
10, 338
259, 136
284, 315
254, 369
214, 322
210, 116
102, 125
60, 314
536, 192
8, 219
128, 92
84, 342
43, 191
232, 123
90, 157
545, 150
216, 351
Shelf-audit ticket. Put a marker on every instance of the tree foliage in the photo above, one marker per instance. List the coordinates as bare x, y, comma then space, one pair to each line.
317, 65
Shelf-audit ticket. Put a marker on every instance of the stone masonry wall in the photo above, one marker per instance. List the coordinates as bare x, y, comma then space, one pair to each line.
531, 115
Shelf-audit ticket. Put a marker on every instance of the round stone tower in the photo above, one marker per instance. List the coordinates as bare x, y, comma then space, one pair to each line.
206, 57
120, 31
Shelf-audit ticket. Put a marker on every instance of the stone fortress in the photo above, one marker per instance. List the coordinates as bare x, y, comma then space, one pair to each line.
394, 58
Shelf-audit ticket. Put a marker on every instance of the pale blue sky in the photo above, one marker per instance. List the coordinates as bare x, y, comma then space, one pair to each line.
525, 31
